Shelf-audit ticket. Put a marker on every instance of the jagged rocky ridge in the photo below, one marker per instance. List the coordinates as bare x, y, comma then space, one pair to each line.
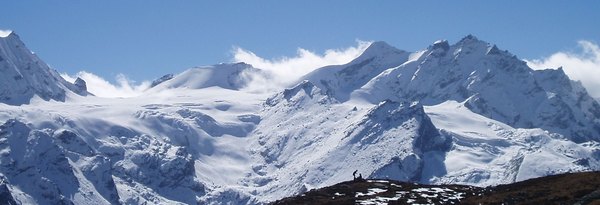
24, 75
491, 82
441, 115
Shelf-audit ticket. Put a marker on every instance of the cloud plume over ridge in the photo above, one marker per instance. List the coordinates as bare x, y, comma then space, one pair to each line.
100, 87
290, 69
583, 65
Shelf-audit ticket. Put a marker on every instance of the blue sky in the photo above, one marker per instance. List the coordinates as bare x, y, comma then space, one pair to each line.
145, 39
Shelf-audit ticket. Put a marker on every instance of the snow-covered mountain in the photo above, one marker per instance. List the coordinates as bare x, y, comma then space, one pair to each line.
466, 113
341, 80
24, 75
233, 76
320, 141
491, 82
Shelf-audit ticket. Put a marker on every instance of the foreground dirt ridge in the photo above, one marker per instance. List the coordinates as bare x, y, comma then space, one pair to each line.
571, 188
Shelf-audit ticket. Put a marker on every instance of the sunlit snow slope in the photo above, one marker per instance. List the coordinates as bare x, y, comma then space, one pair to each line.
466, 113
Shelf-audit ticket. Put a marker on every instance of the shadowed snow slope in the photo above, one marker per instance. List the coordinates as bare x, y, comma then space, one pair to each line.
466, 113
318, 141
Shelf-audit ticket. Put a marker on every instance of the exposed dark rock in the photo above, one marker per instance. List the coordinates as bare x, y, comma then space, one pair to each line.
80, 85
161, 80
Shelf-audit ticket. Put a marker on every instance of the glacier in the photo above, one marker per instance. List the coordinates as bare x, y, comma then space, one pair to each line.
466, 113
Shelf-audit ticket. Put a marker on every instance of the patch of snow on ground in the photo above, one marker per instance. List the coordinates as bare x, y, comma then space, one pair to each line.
378, 181
371, 191
378, 200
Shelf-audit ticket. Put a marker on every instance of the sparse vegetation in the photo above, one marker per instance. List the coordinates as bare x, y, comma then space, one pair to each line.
573, 188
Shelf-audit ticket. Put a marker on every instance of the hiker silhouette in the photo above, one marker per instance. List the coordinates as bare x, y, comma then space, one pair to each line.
359, 178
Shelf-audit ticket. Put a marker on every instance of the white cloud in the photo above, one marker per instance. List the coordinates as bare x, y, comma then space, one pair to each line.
5, 33
583, 65
124, 87
283, 71
290, 69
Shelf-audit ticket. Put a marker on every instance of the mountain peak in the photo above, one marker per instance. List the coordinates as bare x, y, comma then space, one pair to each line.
241, 65
470, 39
10, 39
441, 44
505, 88
233, 76
379, 44
25, 75
161, 79
6, 33
340, 80
378, 48
493, 50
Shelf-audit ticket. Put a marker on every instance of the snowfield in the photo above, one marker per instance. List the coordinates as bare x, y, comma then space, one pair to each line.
466, 113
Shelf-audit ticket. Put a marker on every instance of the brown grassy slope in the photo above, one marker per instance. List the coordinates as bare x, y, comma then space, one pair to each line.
573, 188
557, 189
